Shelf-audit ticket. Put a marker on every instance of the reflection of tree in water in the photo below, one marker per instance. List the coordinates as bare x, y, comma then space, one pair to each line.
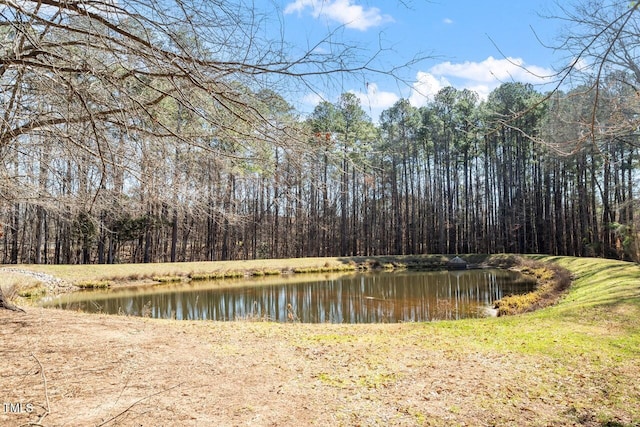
360, 298
444, 310
291, 314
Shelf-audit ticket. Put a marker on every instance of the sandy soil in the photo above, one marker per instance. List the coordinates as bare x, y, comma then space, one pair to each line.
62, 368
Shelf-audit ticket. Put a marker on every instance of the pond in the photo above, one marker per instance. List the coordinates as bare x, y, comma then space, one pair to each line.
353, 298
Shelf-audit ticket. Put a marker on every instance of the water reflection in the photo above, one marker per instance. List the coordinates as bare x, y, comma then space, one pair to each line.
359, 298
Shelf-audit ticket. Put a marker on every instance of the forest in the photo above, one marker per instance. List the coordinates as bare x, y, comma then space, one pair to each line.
120, 144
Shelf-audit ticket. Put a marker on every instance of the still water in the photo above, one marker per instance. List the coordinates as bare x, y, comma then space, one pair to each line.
354, 298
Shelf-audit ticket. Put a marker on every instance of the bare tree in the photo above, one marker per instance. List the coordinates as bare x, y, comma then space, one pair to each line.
603, 46
82, 72
89, 88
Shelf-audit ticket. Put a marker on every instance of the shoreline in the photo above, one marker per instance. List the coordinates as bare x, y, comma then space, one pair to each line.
54, 285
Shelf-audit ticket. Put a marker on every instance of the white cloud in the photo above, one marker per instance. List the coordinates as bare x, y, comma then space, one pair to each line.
312, 99
580, 64
346, 12
482, 90
425, 87
373, 99
447, 21
481, 77
492, 70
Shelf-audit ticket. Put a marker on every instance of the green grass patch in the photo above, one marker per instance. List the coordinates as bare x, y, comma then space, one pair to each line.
331, 338
272, 272
578, 358
32, 292
332, 380
206, 276
376, 380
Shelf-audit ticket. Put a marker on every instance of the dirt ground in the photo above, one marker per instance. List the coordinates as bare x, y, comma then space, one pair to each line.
62, 368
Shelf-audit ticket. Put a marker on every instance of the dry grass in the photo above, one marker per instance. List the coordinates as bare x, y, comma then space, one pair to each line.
573, 363
129, 272
18, 285
551, 283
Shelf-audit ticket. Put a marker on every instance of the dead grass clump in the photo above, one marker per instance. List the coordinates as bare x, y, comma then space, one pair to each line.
327, 268
207, 276
233, 274
134, 276
504, 261
94, 284
230, 274
551, 282
292, 316
10, 291
32, 292
387, 266
19, 288
167, 279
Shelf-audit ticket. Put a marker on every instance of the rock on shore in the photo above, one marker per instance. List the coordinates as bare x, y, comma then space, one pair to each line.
54, 285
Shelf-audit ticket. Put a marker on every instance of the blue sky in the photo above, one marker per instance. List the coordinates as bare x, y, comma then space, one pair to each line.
471, 44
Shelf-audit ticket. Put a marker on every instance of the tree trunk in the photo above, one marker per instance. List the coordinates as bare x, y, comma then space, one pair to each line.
7, 305
174, 235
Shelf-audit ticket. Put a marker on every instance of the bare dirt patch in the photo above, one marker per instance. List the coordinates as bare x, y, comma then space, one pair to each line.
68, 368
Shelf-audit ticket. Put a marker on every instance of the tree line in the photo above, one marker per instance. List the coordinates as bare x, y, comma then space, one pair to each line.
455, 176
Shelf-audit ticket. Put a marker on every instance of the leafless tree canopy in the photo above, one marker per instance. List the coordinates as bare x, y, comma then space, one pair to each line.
88, 75
603, 49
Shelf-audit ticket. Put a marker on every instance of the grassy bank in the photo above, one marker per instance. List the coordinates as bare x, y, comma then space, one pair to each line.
577, 362
588, 345
101, 273
135, 272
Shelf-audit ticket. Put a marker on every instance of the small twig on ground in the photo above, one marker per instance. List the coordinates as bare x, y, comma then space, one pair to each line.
47, 409
135, 403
